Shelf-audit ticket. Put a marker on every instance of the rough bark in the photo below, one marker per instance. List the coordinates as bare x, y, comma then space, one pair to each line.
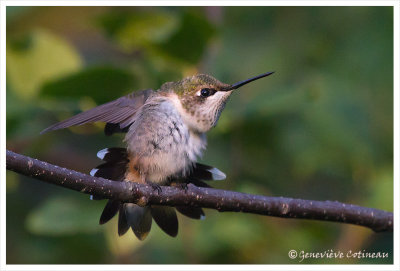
221, 200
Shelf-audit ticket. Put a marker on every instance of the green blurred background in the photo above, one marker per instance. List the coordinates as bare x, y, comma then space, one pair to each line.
320, 128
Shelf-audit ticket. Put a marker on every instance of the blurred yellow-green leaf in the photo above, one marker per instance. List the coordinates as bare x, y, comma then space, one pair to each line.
64, 216
381, 190
175, 36
141, 30
36, 57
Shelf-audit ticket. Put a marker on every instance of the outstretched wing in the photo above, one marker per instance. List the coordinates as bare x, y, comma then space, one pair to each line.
119, 111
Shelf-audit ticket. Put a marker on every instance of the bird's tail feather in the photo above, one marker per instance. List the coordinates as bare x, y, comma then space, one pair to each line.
140, 218
166, 219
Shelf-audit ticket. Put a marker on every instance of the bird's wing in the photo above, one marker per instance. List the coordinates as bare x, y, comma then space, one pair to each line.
119, 111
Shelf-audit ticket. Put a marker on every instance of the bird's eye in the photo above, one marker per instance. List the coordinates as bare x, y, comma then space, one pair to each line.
206, 92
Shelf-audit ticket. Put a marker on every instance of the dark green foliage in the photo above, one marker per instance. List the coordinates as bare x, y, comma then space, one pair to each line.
321, 127
103, 84
190, 40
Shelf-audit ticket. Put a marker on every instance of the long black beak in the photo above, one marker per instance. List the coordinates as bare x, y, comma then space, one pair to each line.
244, 82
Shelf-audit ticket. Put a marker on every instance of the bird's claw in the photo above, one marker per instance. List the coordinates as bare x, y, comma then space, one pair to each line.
156, 187
184, 186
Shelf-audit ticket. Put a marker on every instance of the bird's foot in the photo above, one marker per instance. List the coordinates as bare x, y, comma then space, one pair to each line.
180, 185
183, 186
155, 187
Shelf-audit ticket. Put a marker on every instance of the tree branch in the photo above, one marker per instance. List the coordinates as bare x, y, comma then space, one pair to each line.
220, 200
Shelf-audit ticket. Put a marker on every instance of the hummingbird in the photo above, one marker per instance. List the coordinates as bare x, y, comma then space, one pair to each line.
165, 135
